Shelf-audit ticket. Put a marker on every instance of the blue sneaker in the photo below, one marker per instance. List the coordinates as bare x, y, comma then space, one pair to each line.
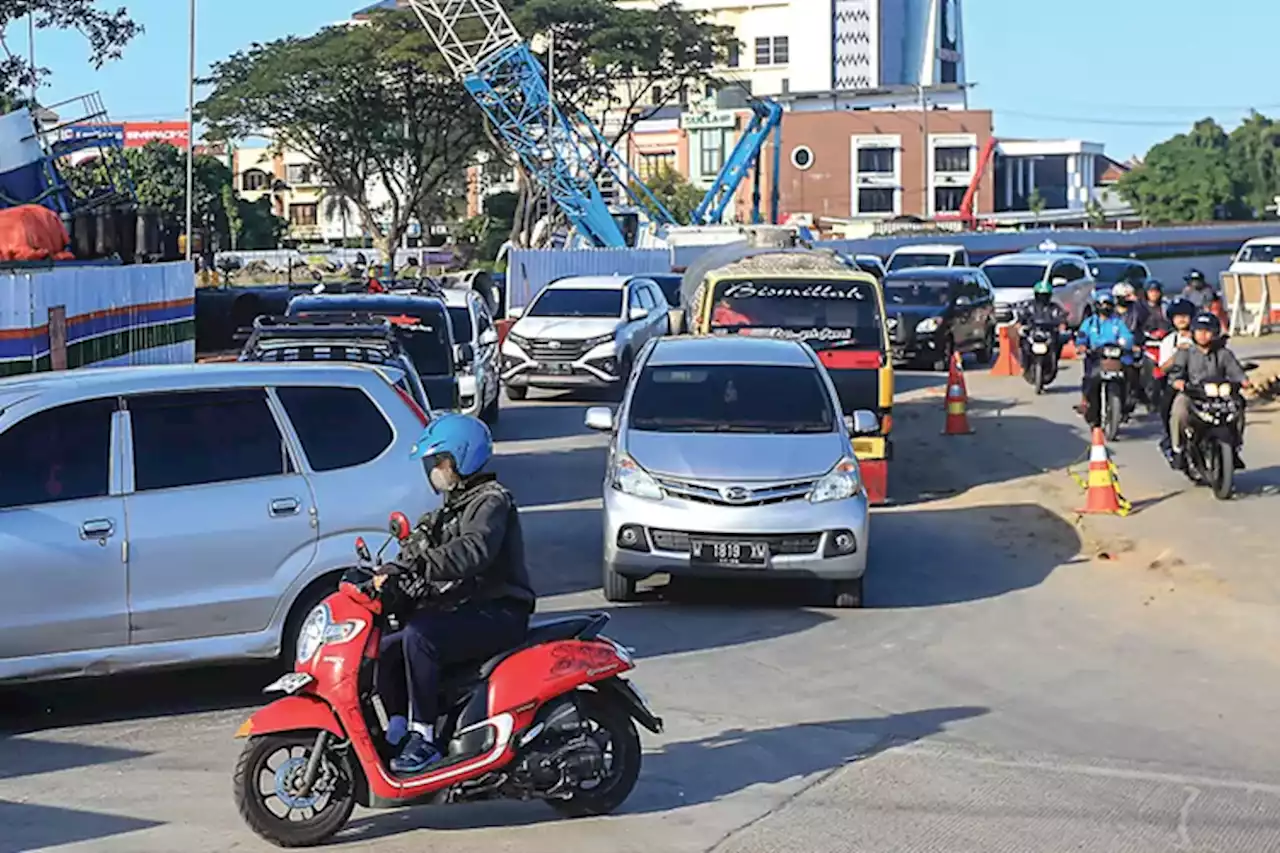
417, 755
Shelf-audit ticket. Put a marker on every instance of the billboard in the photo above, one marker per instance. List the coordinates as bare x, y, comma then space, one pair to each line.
139, 133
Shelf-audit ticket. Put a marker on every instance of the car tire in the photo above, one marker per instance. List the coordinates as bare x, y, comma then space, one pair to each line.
847, 594
517, 393
616, 587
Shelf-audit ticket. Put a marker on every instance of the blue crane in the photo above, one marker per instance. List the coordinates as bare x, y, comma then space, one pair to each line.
497, 66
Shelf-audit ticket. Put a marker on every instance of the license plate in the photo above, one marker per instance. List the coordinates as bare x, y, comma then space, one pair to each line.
289, 683
1110, 374
555, 368
1039, 349
729, 553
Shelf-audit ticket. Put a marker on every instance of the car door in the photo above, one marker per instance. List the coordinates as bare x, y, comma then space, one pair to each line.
62, 557
661, 311
632, 336
653, 324
985, 303
220, 517
486, 338
961, 312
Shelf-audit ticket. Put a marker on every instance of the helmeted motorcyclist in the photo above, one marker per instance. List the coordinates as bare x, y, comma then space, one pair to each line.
462, 573
1197, 290
1041, 309
1156, 320
1099, 329
1179, 337
1206, 360
1133, 314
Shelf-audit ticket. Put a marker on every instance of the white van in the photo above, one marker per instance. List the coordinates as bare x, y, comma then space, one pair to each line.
928, 255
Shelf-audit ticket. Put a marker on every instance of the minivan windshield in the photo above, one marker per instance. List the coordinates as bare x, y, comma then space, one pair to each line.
759, 398
909, 291
798, 309
908, 260
577, 302
1015, 275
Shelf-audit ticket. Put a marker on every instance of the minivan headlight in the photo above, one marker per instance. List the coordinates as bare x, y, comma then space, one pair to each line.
630, 479
311, 634
839, 483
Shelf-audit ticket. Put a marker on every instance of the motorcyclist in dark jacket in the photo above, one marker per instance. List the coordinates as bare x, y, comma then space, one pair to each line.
462, 575
1206, 360
1040, 311
1197, 290
1156, 320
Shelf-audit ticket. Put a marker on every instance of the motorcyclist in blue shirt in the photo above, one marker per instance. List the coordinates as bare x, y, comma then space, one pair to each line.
1099, 329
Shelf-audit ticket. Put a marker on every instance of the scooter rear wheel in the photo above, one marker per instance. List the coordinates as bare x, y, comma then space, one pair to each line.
624, 745
270, 813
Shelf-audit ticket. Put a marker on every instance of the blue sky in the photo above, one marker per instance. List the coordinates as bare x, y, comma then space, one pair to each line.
1122, 72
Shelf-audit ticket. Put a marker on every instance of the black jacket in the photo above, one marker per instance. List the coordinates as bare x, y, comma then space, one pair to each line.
1155, 320
474, 541
1033, 313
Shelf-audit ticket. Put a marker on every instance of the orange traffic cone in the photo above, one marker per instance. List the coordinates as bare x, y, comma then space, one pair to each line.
1006, 362
1069, 350
1102, 492
957, 400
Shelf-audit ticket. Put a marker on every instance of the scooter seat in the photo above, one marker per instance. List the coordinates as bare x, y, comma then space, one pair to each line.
542, 631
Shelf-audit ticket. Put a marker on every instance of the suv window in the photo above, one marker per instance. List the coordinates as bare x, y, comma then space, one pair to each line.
646, 298
338, 427
192, 438
61, 454
1069, 270
633, 300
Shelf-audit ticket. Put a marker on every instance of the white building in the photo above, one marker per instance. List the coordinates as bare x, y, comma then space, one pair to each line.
1069, 175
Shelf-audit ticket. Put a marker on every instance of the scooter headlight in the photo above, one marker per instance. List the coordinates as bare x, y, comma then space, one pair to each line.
1211, 389
311, 635
1224, 389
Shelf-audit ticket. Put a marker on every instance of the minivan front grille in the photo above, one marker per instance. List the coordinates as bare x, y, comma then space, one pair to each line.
677, 541
758, 494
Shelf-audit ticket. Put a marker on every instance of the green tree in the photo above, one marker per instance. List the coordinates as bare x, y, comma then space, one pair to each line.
1188, 178
373, 107
107, 34
675, 192
1035, 203
1254, 156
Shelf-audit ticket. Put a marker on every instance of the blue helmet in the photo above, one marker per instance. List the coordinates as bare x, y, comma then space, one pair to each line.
463, 438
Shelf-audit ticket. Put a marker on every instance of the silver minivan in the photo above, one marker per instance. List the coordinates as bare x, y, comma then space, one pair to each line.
168, 515
730, 459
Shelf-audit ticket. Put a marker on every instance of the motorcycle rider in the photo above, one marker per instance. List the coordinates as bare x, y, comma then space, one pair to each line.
1099, 329
1157, 319
1040, 310
1197, 290
1133, 314
1206, 360
462, 573
1179, 337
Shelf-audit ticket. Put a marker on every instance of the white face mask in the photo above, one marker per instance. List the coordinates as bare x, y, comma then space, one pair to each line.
442, 479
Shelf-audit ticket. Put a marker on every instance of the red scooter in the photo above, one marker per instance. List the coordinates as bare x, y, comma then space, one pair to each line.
550, 719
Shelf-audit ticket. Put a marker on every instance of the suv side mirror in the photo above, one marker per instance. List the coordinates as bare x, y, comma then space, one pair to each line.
464, 353
637, 313
600, 418
488, 337
862, 422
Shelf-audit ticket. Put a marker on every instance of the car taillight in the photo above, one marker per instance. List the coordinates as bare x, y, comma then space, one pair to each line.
412, 404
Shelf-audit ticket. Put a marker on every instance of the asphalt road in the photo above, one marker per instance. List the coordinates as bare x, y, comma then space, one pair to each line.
1017, 682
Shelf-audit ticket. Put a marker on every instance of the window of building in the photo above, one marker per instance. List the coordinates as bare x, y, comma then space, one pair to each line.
951, 159
201, 437
302, 214
947, 199
313, 411
655, 96
773, 51
300, 173
734, 54
876, 199
255, 180
764, 51
654, 163
61, 454
711, 152
876, 160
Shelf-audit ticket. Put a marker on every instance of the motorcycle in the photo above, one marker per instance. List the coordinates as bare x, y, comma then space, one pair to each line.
1042, 367
551, 719
1213, 434
1111, 394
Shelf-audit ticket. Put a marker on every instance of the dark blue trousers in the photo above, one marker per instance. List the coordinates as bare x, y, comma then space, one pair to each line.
411, 658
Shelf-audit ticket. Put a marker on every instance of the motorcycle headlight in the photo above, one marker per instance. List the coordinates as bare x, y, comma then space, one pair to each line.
1224, 389
630, 479
928, 325
839, 483
311, 634
1211, 389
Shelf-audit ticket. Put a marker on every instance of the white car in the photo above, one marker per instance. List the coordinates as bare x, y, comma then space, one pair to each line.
1013, 277
1260, 255
174, 515
583, 332
478, 379
928, 255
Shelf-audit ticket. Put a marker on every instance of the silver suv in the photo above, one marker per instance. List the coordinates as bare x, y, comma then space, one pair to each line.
154, 516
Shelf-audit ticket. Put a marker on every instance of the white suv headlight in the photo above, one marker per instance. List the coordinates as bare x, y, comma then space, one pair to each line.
839, 483
630, 479
311, 634
592, 343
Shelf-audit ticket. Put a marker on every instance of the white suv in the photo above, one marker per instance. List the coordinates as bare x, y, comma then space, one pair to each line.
583, 331
156, 516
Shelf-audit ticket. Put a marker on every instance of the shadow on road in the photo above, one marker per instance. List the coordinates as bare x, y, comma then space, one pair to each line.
689, 773
554, 476
21, 757
541, 419
30, 827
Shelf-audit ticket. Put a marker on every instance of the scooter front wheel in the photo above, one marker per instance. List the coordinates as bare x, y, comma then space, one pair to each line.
266, 785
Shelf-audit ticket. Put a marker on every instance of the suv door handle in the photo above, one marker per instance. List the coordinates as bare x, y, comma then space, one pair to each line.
285, 506
97, 528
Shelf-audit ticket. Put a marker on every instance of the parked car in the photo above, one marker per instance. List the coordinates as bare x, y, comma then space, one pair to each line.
933, 312
479, 378
1013, 277
871, 264
583, 331
358, 338
1050, 247
423, 325
174, 515
928, 255
730, 458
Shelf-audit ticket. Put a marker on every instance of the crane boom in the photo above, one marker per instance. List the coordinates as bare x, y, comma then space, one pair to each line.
766, 118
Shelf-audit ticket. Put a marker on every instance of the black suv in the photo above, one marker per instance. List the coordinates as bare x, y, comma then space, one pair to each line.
935, 311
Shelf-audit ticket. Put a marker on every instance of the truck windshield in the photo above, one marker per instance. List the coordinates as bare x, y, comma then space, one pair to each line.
1015, 275
798, 309
731, 398
910, 260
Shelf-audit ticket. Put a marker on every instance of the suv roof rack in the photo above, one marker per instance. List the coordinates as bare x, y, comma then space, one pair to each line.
338, 331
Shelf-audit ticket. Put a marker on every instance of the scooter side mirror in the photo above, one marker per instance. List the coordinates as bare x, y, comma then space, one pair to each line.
362, 550
399, 526
1249, 365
